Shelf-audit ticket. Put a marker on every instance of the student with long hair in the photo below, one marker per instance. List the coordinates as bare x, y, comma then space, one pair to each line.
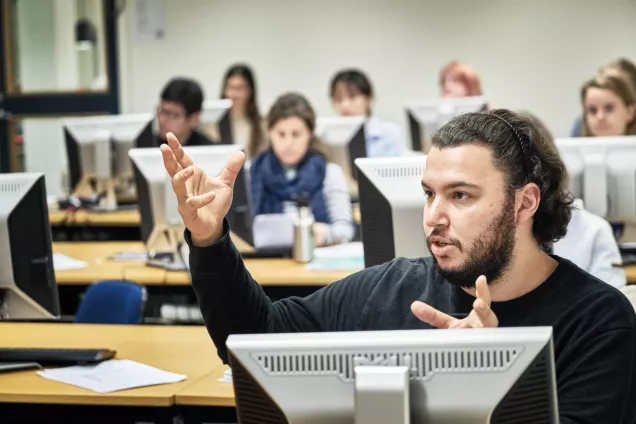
621, 68
297, 163
239, 85
351, 93
609, 107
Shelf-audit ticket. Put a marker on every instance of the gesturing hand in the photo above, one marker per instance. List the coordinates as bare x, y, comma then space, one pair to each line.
480, 317
203, 200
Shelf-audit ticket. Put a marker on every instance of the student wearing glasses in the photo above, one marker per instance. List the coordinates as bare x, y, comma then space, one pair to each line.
179, 110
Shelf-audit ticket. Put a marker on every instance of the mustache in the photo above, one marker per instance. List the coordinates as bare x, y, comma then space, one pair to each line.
440, 233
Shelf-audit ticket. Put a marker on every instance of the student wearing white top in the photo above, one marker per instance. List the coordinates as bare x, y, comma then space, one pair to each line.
589, 242
297, 164
246, 124
352, 95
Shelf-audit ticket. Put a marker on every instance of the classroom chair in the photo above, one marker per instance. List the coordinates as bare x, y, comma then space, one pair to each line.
112, 302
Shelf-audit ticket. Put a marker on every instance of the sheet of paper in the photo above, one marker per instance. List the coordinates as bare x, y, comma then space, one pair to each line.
273, 230
227, 376
64, 263
343, 257
112, 376
129, 256
350, 250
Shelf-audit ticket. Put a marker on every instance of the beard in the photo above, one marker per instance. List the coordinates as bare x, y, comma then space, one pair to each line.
489, 254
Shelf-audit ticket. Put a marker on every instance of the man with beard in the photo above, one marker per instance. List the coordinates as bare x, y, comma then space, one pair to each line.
495, 203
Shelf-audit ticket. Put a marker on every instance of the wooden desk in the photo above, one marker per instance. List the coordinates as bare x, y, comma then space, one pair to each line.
208, 391
268, 272
183, 350
124, 218
96, 254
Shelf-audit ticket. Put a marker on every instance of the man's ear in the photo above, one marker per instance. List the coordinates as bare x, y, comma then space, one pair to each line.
527, 202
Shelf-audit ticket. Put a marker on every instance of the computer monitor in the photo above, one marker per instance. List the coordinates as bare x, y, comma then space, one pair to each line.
345, 136
97, 152
426, 117
392, 208
27, 280
161, 225
602, 172
215, 120
495, 375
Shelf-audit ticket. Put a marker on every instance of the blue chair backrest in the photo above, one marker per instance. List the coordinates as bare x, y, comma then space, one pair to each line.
112, 302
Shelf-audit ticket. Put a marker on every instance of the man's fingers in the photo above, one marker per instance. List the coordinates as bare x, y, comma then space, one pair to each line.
232, 168
431, 315
483, 292
198, 202
179, 183
169, 161
485, 317
183, 159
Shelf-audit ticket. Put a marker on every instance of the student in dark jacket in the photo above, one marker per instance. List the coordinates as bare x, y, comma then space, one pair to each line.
495, 201
179, 111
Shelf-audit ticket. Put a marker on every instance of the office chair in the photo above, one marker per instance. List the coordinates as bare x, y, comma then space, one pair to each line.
112, 302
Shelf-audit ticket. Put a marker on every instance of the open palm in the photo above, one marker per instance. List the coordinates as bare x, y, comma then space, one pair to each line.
203, 200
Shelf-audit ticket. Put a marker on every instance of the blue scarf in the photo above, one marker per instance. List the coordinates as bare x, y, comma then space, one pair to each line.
271, 188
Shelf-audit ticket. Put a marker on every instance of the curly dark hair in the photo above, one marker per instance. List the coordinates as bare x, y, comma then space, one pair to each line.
523, 152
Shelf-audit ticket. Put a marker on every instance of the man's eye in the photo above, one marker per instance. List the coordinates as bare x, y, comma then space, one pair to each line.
428, 194
461, 196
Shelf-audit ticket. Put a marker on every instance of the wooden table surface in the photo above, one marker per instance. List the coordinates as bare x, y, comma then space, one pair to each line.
208, 391
100, 267
184, 350
267, 272
123, 218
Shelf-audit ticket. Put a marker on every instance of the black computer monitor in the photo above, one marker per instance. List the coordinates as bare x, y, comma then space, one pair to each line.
27, 279
345, 135
240, 216
225, 129
391, 208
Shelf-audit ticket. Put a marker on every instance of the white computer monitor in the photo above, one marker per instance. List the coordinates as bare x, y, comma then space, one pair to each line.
27, 280
161, 224
97, 149
346, 138
427, 116
392, 208
602, 172
497, 375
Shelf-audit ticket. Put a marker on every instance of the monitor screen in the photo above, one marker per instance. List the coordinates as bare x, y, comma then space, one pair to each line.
392, 208
27, 278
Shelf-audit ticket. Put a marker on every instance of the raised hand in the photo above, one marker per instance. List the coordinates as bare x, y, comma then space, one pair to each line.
480, 317
203, 200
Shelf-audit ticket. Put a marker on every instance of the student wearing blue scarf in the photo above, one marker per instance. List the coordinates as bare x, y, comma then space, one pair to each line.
297, 163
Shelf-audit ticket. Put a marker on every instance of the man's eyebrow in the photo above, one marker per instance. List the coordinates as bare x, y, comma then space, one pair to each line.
455, 184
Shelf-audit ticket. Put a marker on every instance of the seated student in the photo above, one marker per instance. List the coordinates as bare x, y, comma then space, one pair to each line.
609, 107
246, 122
622, 68
297, 163
352, 95
495, 200
179, 111
589, 242
459, 80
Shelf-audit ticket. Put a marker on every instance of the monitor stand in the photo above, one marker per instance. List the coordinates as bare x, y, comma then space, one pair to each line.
165, 249
102, 190
382, 395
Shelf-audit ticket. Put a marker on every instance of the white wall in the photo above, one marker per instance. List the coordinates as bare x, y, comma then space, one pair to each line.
531, 55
